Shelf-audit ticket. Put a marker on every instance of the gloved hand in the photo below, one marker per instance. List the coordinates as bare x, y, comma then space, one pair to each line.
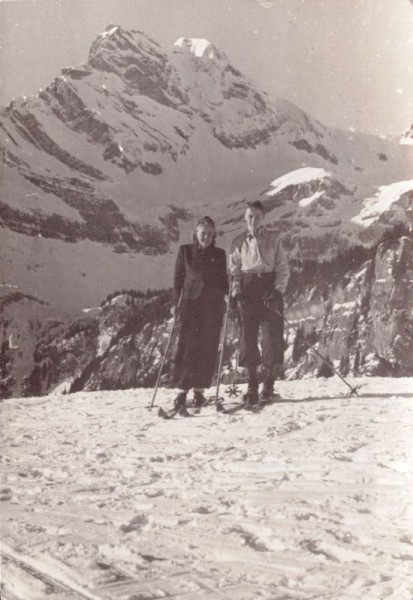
271, 297
175, 310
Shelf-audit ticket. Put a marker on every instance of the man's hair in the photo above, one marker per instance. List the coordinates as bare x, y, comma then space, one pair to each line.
256, 204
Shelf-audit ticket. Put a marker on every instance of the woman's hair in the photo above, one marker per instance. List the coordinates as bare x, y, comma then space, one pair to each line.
205, 221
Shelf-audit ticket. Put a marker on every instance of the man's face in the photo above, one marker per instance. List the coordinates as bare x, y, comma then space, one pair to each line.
254, 218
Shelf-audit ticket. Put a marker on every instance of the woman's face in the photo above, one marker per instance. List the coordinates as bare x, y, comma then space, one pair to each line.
204, 234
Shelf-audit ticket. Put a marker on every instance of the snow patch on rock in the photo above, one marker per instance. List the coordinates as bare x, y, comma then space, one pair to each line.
382, 202
297, 177
200, 47
310, 199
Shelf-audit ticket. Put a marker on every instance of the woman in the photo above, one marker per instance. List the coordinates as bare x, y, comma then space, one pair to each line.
200, 284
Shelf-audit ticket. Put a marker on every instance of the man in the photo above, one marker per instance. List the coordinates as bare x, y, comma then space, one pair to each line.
260, 272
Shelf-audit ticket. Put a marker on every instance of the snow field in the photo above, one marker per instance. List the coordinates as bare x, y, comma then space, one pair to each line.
308, 499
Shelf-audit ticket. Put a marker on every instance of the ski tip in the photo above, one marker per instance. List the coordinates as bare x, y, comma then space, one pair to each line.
163, 414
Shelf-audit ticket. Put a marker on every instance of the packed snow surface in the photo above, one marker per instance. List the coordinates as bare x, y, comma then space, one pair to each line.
297, 177
308, 499
382, 202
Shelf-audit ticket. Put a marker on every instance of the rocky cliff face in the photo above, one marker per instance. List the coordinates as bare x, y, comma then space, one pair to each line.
116, 347
364, 318
356, 310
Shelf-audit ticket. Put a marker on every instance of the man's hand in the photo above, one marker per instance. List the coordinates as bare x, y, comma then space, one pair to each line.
271, 298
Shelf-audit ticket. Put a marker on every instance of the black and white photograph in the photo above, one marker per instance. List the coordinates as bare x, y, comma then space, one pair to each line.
206, 299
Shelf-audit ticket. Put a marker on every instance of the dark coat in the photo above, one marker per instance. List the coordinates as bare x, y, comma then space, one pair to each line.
199, 270
202, 276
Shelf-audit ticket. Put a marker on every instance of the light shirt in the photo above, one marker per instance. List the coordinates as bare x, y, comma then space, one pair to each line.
251, 258
262, 253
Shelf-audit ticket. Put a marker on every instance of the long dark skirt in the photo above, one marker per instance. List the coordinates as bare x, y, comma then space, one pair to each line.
197, 350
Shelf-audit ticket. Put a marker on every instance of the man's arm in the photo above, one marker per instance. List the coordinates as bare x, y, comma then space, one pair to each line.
282, 270
234, 267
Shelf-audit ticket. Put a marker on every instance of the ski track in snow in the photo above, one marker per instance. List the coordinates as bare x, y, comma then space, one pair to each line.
309, 499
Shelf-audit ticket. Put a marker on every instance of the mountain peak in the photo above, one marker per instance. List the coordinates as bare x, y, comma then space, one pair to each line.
110, 29
201, 48
123, 51
122, 43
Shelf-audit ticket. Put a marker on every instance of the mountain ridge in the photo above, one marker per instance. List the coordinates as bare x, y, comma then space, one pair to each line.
105, 171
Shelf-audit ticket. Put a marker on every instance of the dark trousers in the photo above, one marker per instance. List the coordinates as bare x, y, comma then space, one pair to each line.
256, 314
196, 354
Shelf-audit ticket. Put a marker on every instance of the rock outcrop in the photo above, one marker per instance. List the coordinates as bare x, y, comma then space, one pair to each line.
356, 310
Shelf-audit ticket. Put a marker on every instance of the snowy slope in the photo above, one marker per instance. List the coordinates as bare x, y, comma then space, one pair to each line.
309, 499
392, 201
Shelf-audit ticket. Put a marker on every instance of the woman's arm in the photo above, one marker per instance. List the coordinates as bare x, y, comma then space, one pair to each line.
223, 274
179, 276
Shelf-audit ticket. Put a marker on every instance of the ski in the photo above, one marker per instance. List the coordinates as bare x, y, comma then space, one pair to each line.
183, 411
262, 403
167, 414
196, 409
245, 405
221, 407
173, 412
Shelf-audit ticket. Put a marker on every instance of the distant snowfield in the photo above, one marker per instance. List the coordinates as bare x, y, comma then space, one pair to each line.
304, 175
382, 202
309, 499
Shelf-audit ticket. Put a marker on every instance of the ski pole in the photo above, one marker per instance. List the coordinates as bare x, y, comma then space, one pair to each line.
233, 390
166, 350
222, 346
353, 390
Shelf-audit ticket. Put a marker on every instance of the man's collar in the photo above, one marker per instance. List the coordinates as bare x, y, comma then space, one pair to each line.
256, 234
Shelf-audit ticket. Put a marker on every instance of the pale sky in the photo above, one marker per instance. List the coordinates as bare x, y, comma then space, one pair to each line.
348, 63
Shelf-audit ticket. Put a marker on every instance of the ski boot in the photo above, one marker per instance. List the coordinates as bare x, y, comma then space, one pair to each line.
251, 398
179, 404
178, 408
199, 399
267, 392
